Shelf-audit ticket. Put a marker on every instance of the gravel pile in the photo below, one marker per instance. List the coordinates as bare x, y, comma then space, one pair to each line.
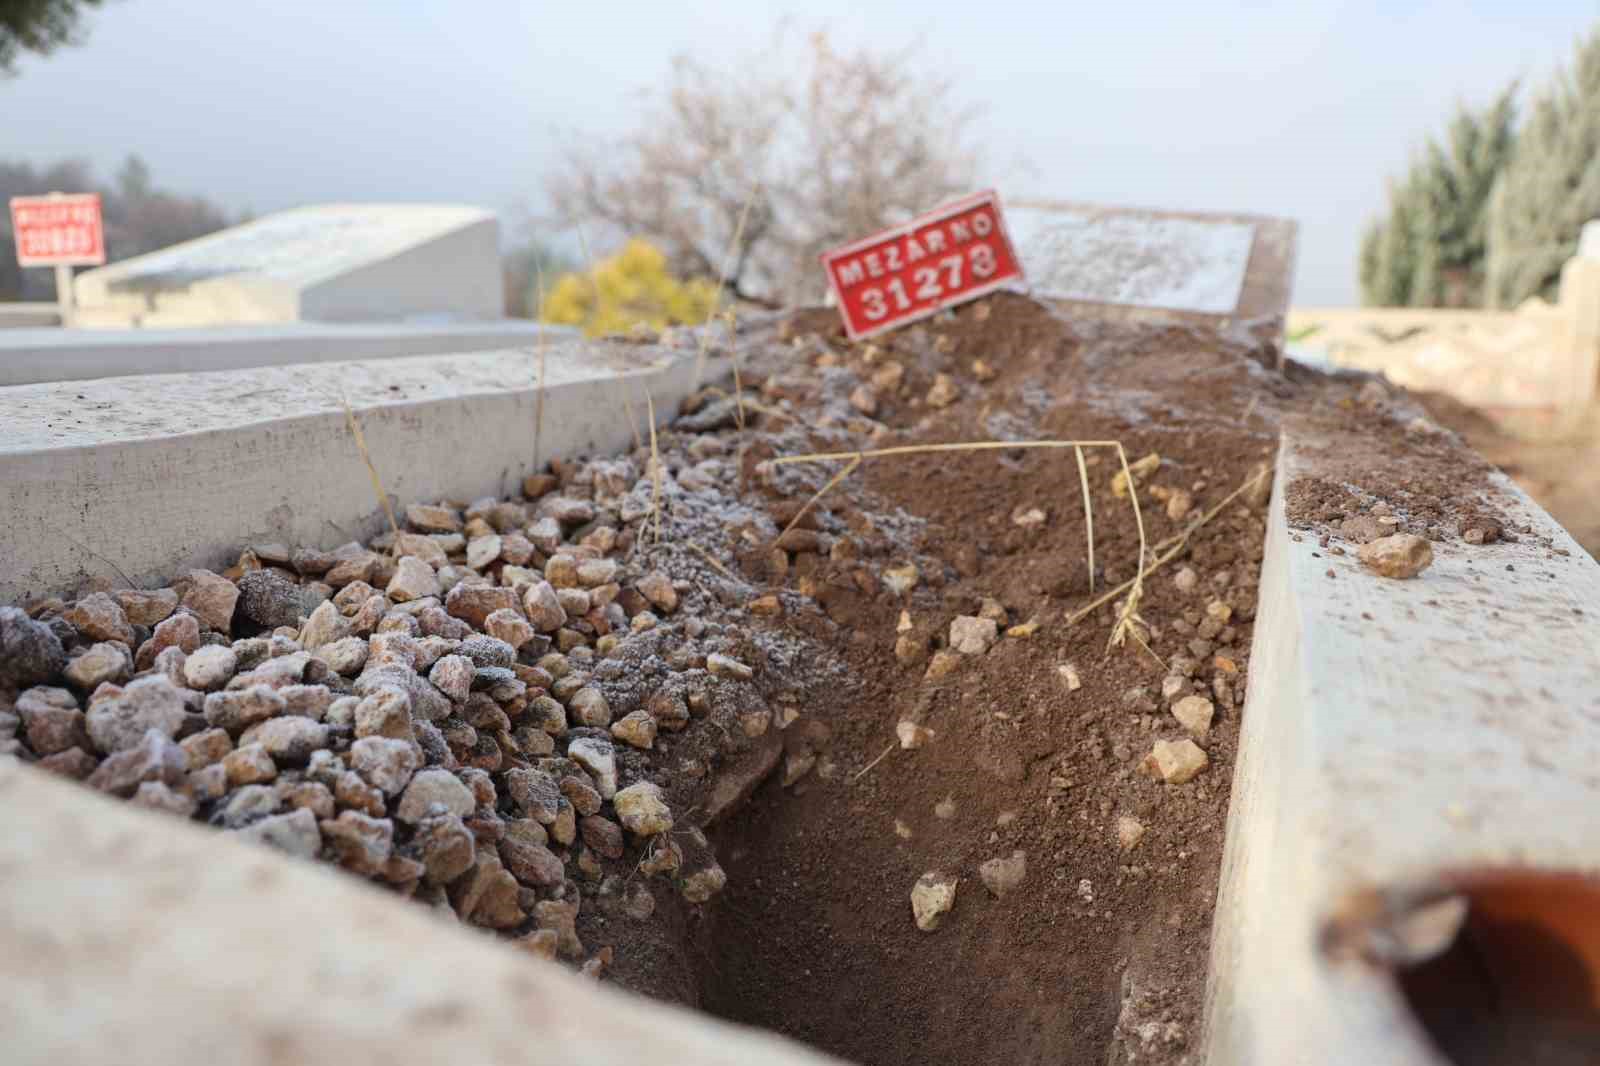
479, 711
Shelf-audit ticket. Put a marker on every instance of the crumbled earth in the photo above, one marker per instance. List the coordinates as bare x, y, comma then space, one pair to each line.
702, 722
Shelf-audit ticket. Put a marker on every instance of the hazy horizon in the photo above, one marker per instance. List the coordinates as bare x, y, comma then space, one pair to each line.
1301, 113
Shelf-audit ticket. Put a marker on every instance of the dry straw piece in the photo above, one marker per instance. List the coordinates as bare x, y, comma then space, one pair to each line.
372, 471
722, 283
544, 327
1127, 617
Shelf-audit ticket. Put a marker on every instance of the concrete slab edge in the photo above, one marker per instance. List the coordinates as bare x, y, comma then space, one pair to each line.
133, 937
137, 505
1397, 735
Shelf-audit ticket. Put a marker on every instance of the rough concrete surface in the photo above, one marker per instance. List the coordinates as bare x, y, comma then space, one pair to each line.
141, 941
32, 356
1398, 734
145, 476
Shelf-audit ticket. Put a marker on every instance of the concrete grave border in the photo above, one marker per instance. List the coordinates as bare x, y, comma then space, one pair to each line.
1396, 735
36, 356
135, 479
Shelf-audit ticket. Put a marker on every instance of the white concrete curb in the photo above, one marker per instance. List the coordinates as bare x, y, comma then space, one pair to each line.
1398, 736
135, 938
32, 356
136, 478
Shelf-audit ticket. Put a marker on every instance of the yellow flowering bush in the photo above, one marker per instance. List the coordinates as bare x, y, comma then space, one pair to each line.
630, 289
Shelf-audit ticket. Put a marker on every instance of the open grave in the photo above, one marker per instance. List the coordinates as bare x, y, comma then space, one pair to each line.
885, 751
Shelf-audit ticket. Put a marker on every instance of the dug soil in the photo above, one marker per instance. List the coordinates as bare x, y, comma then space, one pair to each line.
1037, 747
700, 718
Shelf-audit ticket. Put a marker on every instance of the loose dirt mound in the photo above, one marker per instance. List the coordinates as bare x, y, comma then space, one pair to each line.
908, 677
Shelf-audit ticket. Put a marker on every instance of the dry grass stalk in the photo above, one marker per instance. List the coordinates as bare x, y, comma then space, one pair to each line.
656, 469
538, 400
823, 491
1088, 513
1172, 547
722, 283
372, 471
863, 771
712, 559
633, 421
1130, 609
1129, 614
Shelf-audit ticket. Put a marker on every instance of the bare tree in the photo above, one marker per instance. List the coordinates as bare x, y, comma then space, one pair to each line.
806, 146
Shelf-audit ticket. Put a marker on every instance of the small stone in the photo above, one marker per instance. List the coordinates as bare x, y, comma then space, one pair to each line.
290, 739
637, 730
30, 653
560, 917
473, 604
206, 747
509, 626
107, 661
146, 607
387, 764
1129, 832
1069, 674
238, 709
543, 607
541, 944
159, 796
531, 863
1002, 875
435, 787
657, 588
207, 783
146, 703
931, 899
669, 711
1194, 714
589, 708
973, 636
796, 765
154, 758
642, 809
1186, 580
535, 792
945, 809
481, 551
99, 617
325, 626
295, 833
210, 667
428, 518
384, 712
912, 734
249, 765
944, 391
452, 675
603, 835
445, 846
900, 580
413, 579
361, 844
599, 758
270, 598
701, 885
593, 573
211, 597
1175, 761
1399, 555
312, 795
942, 664
51, 720
720, 665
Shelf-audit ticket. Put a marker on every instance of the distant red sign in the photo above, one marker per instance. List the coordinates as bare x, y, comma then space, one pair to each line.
948, 256
60, 230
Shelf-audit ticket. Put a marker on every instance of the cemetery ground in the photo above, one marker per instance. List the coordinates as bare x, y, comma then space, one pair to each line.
873, 751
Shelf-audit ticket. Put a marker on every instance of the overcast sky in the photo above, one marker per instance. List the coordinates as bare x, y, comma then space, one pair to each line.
1299, 109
